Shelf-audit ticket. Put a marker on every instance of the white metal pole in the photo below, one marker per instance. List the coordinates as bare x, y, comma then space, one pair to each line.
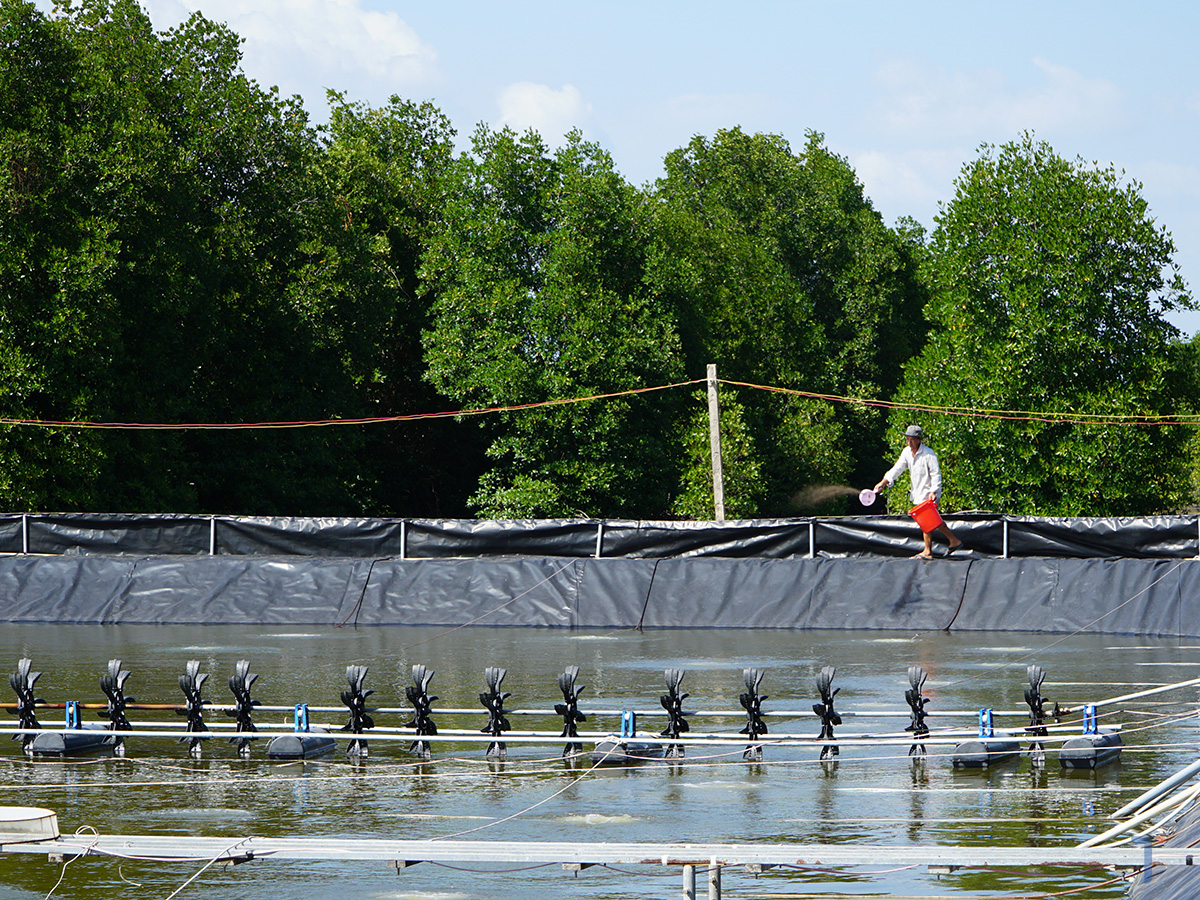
714, 440
714, 881
599, 538
25, 533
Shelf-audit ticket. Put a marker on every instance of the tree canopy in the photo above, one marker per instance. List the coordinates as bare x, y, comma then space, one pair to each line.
156, 268
1050, 280
783, 274
180, 245
539, 274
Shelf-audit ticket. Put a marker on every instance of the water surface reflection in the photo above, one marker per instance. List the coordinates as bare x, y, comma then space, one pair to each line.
869, 795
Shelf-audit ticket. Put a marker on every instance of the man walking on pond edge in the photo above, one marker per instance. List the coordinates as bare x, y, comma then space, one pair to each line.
926, 476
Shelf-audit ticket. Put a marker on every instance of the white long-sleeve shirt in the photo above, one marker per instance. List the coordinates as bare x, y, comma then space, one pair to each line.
926, 474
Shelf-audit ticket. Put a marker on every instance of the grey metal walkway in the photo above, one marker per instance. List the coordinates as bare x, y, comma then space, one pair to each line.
709, 858
184, 847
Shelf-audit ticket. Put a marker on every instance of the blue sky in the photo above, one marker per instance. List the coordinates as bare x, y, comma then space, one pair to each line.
906, 92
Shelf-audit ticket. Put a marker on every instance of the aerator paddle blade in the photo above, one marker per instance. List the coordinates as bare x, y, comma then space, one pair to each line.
866, 496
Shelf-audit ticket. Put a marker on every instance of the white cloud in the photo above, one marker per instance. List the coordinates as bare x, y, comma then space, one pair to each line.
305, 46
932, 102
551, 113
910, 183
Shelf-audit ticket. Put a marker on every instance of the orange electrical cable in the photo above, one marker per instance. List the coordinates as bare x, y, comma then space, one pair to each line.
1066, 418
1063, 418
325, 423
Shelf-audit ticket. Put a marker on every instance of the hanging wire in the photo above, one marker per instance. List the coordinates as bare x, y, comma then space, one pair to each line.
1070, 417
989, 670
224, 854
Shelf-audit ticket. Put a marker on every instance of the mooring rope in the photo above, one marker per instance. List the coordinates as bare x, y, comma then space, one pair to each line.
534, 806
649, 588
988, 670
961, 597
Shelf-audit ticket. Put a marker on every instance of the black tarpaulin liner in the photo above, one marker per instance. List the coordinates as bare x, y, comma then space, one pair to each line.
161, 590
900, 536
800, 594
1098, 595
1151, 597
773, 538
427, 538
253, 536
1151, 536
70, 590
512, 591
11, 534
1154, 537
137, 535
1133, 576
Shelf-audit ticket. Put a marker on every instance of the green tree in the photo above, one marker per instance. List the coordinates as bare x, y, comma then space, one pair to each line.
783, 274
158, 264
1050, 282
741, 471
387, 173
539, 276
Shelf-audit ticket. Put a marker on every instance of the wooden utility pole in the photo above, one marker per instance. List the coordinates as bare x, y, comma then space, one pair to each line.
714, 439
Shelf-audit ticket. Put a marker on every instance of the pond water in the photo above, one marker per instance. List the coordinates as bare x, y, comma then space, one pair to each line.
873, 795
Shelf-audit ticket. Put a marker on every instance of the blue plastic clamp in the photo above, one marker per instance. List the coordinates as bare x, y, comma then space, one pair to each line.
301, 717
1089, 719
73, 714
628, 723
985, 723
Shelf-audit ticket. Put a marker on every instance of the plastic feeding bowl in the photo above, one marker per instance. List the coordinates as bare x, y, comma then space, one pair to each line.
866, 496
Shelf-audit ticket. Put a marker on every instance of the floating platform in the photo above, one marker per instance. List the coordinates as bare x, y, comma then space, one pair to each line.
311, 745
613, 751
1089, 751
72, 742
983, 753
